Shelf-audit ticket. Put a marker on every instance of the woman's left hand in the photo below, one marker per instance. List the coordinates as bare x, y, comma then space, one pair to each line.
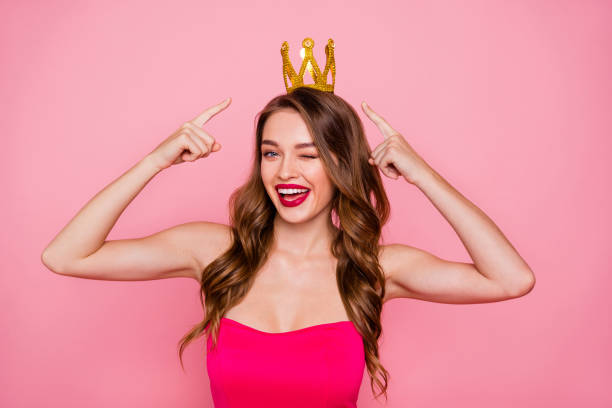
394, 156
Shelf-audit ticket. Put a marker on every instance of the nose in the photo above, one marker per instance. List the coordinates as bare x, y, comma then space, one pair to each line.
288, 168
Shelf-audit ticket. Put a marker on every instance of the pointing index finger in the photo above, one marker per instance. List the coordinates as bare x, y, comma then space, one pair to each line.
380, 122
205, 116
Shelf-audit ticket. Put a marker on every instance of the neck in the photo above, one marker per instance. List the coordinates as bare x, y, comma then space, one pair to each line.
304, 239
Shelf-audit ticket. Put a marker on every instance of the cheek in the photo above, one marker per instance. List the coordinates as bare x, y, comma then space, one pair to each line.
265, 171
265, 176
322, 181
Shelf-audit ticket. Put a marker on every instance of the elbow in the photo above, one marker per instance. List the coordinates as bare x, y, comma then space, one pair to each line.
47, 260
525, 287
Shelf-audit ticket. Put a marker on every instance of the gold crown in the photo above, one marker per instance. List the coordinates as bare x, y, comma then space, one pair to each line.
297, 80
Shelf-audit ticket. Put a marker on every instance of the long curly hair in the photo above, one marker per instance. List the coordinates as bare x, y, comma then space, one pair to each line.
338, 135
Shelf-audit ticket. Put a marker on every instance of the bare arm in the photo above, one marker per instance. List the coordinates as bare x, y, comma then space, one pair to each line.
88, 229
180, 251
80, 248
498, 271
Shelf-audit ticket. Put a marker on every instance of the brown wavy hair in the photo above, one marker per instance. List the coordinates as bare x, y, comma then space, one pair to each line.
338, 135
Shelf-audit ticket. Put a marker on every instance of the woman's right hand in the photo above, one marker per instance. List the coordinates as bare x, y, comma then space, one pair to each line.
189, 142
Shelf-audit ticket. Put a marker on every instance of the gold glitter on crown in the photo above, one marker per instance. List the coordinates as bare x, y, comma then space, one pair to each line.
308, 62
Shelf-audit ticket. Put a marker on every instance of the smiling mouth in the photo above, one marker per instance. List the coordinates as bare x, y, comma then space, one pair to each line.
293, 199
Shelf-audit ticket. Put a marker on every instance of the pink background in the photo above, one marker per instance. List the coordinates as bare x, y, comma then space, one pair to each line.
509, 101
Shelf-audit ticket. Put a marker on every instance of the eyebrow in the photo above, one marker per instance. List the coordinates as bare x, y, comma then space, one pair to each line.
297, 146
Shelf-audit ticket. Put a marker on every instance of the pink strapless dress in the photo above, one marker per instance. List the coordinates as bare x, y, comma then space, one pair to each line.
317, 366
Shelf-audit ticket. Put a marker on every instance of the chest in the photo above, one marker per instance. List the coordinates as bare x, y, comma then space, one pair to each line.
289, 295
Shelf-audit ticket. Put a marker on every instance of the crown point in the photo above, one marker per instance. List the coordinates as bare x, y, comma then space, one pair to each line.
308, 42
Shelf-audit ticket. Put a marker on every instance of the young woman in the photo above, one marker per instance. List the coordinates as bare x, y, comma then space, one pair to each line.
293, 288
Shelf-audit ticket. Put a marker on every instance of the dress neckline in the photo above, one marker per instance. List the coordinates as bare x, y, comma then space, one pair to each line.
307, 328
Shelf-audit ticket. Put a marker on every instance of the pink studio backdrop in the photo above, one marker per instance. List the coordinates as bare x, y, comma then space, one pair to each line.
509, 101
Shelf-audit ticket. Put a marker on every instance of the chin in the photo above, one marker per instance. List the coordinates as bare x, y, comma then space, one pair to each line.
295, 215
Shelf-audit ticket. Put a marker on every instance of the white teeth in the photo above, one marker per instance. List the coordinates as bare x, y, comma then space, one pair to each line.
291, 190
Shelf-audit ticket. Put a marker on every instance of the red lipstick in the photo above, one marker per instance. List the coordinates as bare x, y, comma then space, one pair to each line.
297, 199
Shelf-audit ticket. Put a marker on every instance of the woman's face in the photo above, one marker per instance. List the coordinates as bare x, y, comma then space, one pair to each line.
290, 157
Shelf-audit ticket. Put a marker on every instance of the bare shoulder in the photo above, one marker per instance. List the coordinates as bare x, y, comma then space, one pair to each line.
390, 257
387, 256
206, 242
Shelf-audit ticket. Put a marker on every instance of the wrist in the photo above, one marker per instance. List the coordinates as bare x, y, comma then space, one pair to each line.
426, 177
150, 165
